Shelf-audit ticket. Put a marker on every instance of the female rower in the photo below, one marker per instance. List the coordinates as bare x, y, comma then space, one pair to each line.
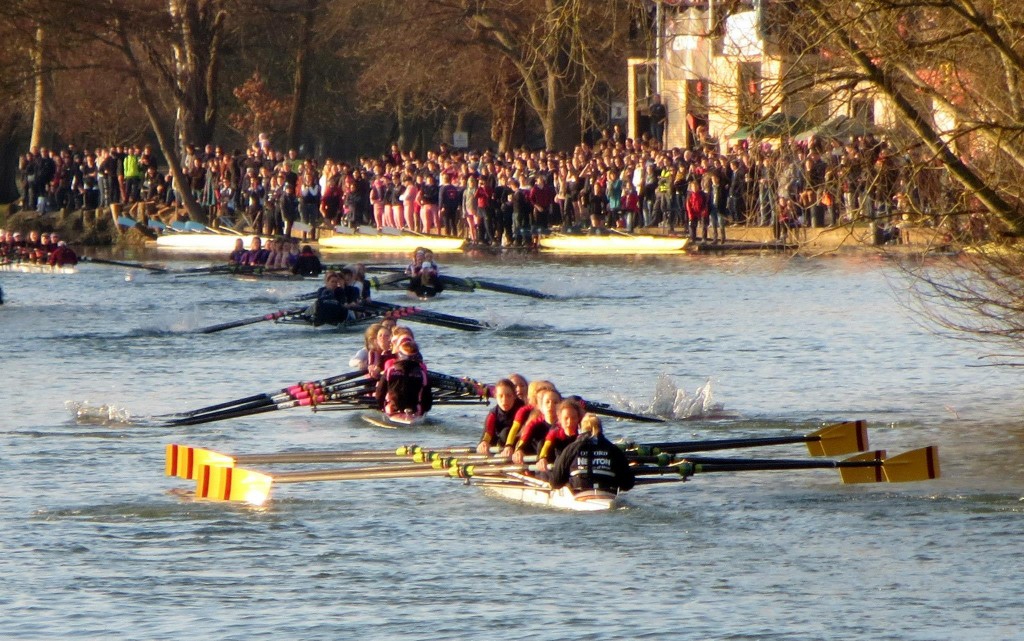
499, 420
235, 257
361, 359
565, 431
307, 263
522, 387
541, 420
377, 357
533, 391
404, 386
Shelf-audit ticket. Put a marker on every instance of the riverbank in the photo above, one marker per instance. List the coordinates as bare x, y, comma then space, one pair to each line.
100, 229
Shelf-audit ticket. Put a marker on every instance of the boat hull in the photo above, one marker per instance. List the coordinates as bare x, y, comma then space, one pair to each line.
389, 243
616, 244
201, 243
560, 499
35, 268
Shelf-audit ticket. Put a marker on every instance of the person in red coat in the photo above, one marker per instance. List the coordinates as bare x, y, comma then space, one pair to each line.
63, 255
697, 211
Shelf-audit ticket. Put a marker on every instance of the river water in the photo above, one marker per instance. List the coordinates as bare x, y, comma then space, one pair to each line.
97, 543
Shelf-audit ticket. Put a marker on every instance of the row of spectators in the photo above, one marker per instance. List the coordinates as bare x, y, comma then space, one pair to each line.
504, 197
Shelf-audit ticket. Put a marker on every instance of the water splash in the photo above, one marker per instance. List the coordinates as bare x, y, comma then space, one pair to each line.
672, 402
85, 413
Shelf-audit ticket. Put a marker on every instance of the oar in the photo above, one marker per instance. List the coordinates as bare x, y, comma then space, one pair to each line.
239, 484
429, 318
251, 321
831, 440
183, 460
607, 410
476, 283
119, 263
870, 467
269, 397
377, 282
354, 398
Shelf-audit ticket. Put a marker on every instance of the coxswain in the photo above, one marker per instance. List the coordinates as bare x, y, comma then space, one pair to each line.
499, 420
541, 420
62, 256
564, 432
592, 462
307, 263
404, 386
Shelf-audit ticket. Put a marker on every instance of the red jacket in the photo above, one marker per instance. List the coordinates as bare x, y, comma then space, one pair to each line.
697, 205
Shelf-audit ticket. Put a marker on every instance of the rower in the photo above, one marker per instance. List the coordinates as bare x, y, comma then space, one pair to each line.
360, 280
381, 353
257, 255
361, 359
522, 387
63, 255
564, 432
499, 420
592, 462
533, 391
329, 306
236, 255
307, 263
541, 420
404, 386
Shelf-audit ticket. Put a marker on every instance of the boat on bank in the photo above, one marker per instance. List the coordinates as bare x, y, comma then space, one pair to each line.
616, 243
369, 239
201, 242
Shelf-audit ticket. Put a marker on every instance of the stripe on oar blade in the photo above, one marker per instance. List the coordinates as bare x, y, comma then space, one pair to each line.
184, 461
232, 484
863, 474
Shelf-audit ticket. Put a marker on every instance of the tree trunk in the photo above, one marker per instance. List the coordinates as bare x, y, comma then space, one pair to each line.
300, 86
198, 31
163, 137
41, 96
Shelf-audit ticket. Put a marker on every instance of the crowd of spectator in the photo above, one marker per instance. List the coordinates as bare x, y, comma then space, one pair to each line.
504, 197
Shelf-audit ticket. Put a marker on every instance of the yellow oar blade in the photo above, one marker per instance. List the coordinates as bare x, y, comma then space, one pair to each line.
840, 439
915, 465
232, 484
184, 461
865, 474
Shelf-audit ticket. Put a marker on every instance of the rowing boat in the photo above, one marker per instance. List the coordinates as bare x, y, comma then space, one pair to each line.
370, 240
201, 242
616, 244
37, 268
392, 422
524, 489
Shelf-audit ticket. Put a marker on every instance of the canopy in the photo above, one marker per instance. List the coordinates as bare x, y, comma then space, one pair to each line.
774, 126
838, 126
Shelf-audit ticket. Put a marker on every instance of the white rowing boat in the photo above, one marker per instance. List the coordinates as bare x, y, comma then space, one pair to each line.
369, 240
201, 242
614, 244
525, 489
37, 268
397, 421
